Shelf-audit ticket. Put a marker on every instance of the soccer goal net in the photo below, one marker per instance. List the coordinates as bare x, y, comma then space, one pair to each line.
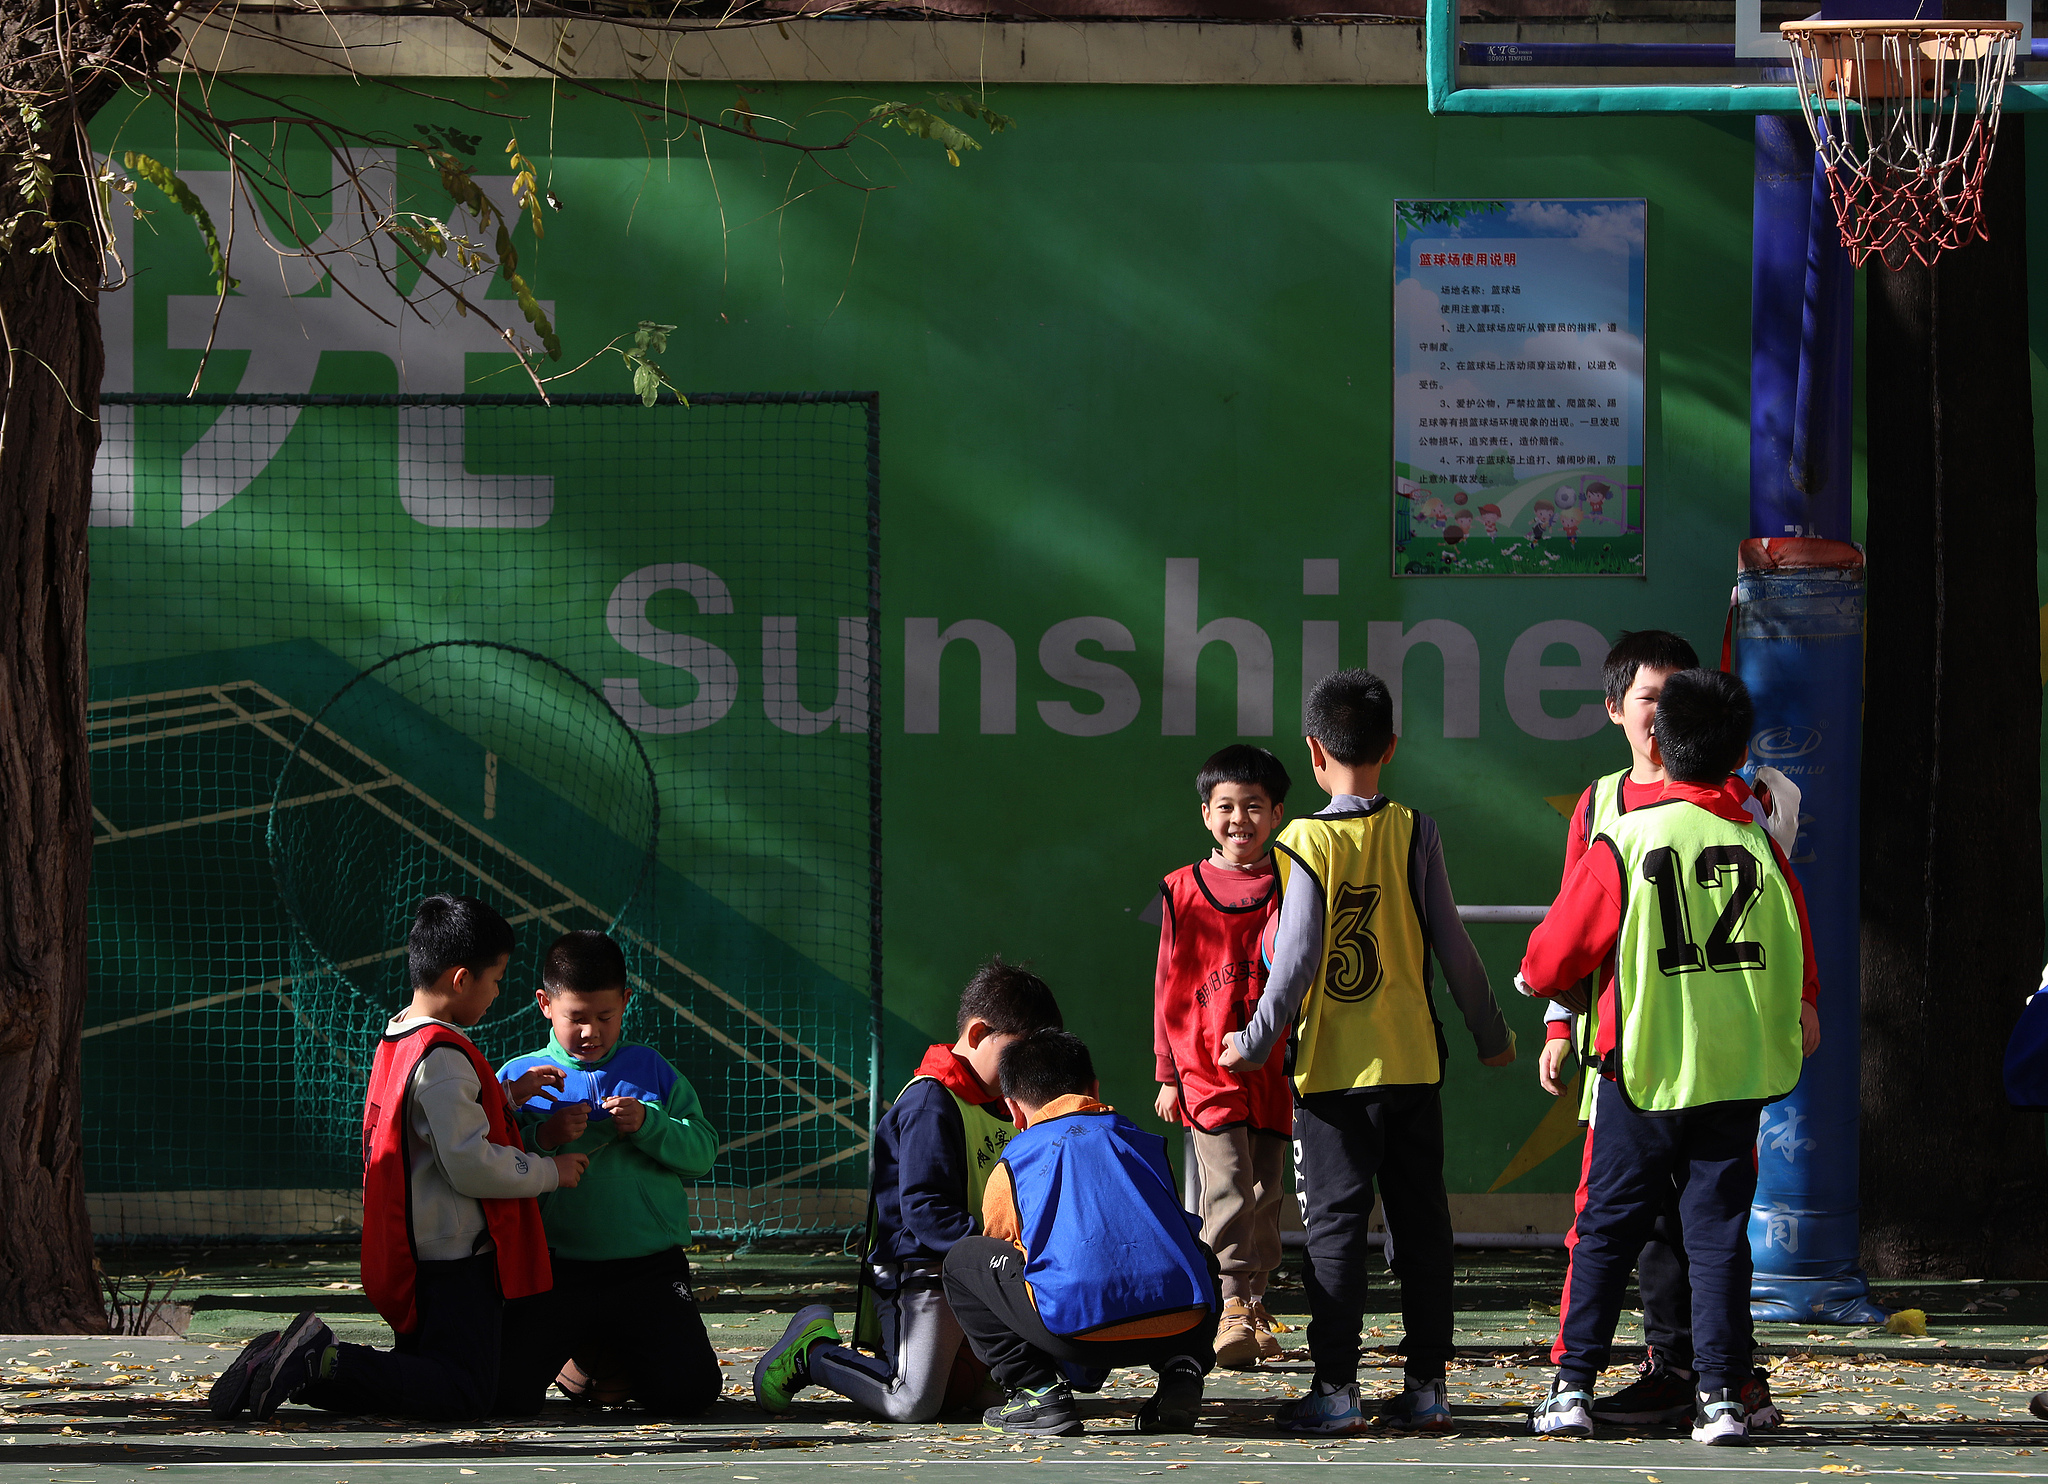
599, 664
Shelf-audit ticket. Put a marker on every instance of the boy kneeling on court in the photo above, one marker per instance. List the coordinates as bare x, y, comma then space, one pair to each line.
1686, 908
1088, 1259
621, 1321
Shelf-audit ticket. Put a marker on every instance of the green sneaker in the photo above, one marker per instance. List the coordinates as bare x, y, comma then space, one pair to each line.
786, 1368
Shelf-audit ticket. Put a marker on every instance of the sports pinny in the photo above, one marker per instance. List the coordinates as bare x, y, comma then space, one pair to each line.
1217, 975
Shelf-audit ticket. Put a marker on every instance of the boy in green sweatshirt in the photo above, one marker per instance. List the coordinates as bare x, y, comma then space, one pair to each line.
621, 1322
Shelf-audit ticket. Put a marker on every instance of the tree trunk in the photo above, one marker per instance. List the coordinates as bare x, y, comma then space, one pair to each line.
1955, 1183
49, 311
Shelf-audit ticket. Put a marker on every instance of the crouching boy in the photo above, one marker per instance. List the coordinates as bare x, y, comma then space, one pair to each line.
934, 1150
1686, 908
1088, 1260
450, 1225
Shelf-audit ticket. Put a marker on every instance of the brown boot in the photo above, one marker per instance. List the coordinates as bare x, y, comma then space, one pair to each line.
1237, 1342
1267, 1328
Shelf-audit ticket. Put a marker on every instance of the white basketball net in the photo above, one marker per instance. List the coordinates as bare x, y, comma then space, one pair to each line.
1904, 114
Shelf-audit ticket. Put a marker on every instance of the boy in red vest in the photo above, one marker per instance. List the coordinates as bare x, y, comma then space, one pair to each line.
934, 1150
1208, 982
1088, 1261
450, 1225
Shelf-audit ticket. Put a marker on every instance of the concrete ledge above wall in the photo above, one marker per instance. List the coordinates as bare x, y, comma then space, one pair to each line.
823, 49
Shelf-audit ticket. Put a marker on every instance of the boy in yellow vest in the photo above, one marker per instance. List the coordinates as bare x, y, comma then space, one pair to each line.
1365, 903
934, 1150
1687, 910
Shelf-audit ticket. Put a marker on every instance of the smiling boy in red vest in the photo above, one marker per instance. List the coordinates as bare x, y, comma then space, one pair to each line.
1208, 983
451, 1228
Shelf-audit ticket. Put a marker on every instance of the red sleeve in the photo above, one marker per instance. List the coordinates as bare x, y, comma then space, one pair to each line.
1575, 833
1809, 989
1162, 984
1580, 928
1557, 1030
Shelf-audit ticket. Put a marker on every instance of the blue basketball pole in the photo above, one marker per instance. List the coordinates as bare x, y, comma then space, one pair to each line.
1797, 633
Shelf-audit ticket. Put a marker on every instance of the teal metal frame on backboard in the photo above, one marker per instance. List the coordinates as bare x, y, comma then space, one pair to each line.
1445, 96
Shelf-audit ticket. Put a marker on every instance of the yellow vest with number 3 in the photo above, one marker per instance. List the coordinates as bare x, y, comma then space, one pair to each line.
1709, 962
1367, 1020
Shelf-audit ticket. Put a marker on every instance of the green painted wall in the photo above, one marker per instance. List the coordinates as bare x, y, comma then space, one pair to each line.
1152, 323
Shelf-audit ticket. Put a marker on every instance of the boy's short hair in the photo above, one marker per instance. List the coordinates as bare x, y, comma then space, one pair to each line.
1046, 1065
1352, 715
1703, 723
583, 962
1242, 763
1657, 649
454, 933
1009, 999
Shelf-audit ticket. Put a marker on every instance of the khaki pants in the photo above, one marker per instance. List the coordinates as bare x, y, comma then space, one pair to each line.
1242, 1172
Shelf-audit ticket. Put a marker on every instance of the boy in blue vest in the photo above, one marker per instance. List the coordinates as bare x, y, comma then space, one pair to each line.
1687, 910
934, 1150
621, 1322
1366, 903
1088, 1260
1633, 677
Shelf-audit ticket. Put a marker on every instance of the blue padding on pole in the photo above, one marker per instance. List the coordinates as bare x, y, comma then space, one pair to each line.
1799, 647
1783, 205
1822, 453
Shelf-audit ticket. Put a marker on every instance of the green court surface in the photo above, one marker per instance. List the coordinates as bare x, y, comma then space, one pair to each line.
108, 1410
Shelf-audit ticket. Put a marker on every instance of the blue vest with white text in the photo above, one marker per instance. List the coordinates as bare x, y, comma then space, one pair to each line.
1105, 1238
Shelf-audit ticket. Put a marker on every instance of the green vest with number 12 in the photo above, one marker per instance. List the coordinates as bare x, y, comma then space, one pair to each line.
1709, 963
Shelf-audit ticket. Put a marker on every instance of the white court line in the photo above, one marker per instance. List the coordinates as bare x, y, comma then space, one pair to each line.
557, 1462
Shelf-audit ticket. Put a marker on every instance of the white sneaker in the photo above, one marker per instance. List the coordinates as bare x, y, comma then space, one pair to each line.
1720, 1419
1565, 1413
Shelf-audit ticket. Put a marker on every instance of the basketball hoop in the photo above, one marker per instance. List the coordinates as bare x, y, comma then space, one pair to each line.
1904, 114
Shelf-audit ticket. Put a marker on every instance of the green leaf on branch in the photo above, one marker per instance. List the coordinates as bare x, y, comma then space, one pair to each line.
463, 190
923, 123
649, 341
166, 180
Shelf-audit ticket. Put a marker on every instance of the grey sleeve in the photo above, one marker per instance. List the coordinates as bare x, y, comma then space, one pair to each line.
447, 1093
1464, 974
1556, 1011
1297, 944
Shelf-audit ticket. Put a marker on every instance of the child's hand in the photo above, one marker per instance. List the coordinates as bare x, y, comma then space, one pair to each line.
630, 1113
565, 1125
1550, 1064
1231, 1059
1809, 1029
522, 1088
1503, 1058
1167, 1104
571, 1167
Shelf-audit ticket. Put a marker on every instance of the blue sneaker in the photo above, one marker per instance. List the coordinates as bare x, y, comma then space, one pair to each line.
1422, 1406
1565, 1413
1326, 1411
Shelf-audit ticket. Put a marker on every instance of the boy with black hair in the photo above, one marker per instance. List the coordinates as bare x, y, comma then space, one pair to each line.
1687, 909
620, 1322
451, 1229
1633, 675
934, 1150
1366, 904
1207, 982
1088, 1261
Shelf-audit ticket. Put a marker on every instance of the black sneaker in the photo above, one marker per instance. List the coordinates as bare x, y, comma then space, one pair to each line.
1756, 1400
1720, 1419
1175, 1403
1041, 1411
2039, 1405
230, 1391
293, 1361
1658, 1395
